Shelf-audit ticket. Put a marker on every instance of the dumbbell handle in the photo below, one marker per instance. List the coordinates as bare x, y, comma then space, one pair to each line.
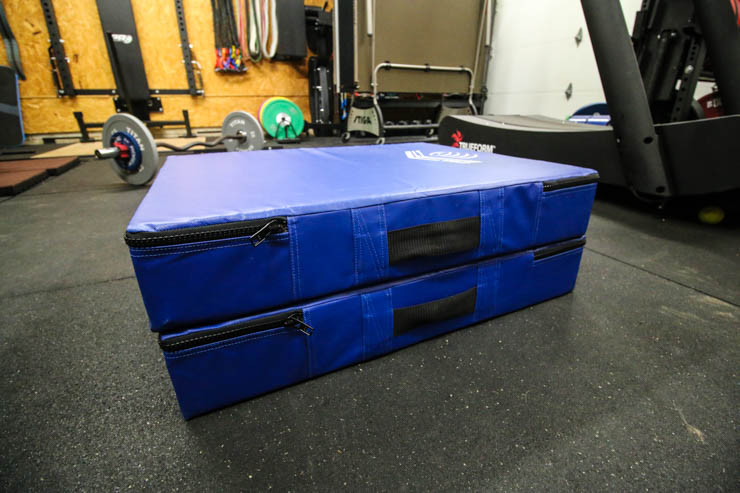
107, 153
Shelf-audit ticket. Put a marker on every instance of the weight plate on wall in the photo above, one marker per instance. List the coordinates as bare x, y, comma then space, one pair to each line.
139, 159
241, 121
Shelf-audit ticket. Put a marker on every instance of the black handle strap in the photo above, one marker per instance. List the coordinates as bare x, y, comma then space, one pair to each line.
434, 239
410, 317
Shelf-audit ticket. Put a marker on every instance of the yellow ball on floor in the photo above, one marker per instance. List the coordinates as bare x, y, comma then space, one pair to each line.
711, 215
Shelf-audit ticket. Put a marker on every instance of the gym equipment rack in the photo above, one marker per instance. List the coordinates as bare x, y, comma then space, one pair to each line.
132, 93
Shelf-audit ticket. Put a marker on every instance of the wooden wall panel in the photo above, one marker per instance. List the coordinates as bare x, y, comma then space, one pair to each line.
79, 25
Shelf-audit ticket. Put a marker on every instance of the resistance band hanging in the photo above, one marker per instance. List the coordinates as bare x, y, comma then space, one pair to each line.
241, 25
253, 31
269, 28
261, 29
228, 48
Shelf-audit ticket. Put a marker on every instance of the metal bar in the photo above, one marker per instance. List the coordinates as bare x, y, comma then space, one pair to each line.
336, 47
484, 13
722, 35
372, 46
164, 123
423, 68
58, 58
489, 21
355, 40
95, 92
186, 119
84, 126
158, 92
83, 129
187, 58
637, 140
369, 16
650, 75
689, 77
412, 125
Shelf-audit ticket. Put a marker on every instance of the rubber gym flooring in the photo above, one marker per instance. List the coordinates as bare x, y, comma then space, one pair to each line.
629, 383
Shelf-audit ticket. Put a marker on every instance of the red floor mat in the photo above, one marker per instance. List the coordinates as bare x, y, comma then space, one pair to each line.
17, 176
55, 166
15, 182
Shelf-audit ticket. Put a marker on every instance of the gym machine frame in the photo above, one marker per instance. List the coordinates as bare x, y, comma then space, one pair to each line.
62, 75
656, 161
424, 68
369, 118
646, 164
321, 95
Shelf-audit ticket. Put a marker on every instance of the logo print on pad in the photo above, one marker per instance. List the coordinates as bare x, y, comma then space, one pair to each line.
445, 157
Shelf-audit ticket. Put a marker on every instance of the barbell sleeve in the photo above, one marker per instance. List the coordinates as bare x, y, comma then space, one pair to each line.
107, 153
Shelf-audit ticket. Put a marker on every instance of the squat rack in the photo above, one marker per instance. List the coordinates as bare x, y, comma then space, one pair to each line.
132, 93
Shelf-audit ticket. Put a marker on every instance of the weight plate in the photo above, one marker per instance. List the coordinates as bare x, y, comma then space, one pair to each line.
282, 118
264, 103
139, 160
241, 121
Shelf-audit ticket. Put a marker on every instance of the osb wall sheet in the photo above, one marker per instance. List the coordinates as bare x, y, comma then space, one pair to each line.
156, 25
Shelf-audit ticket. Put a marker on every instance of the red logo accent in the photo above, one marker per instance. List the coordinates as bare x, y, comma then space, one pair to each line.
457, 137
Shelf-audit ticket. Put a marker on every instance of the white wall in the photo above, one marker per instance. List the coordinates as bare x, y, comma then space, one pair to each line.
535, 57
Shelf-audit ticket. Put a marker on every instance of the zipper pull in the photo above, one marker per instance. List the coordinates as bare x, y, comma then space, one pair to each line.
273, 226
295, 320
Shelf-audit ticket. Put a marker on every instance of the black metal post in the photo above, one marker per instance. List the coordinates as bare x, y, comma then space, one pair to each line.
187, 58
83, 127
186, 120
56, 53
722, 35
638, 143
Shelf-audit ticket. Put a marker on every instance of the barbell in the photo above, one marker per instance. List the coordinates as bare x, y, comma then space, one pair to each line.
132, 150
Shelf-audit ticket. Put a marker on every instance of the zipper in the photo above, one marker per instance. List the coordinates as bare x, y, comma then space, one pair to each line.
576, 181
293, 320
563, 247
257, 230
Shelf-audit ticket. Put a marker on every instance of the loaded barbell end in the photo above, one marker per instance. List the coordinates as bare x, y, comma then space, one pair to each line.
108, 153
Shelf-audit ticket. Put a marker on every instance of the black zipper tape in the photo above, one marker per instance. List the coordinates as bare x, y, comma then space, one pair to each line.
292, 319
563, 247
576, 181
257, 230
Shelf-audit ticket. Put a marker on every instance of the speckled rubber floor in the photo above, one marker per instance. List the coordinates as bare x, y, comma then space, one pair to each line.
630, 383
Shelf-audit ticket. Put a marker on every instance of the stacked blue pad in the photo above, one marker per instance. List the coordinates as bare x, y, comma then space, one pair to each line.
282, 265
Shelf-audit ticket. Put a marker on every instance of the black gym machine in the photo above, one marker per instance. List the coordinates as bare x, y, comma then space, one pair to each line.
319, 37
658, 145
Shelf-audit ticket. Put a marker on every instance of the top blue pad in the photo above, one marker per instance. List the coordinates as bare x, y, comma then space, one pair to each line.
224, 235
